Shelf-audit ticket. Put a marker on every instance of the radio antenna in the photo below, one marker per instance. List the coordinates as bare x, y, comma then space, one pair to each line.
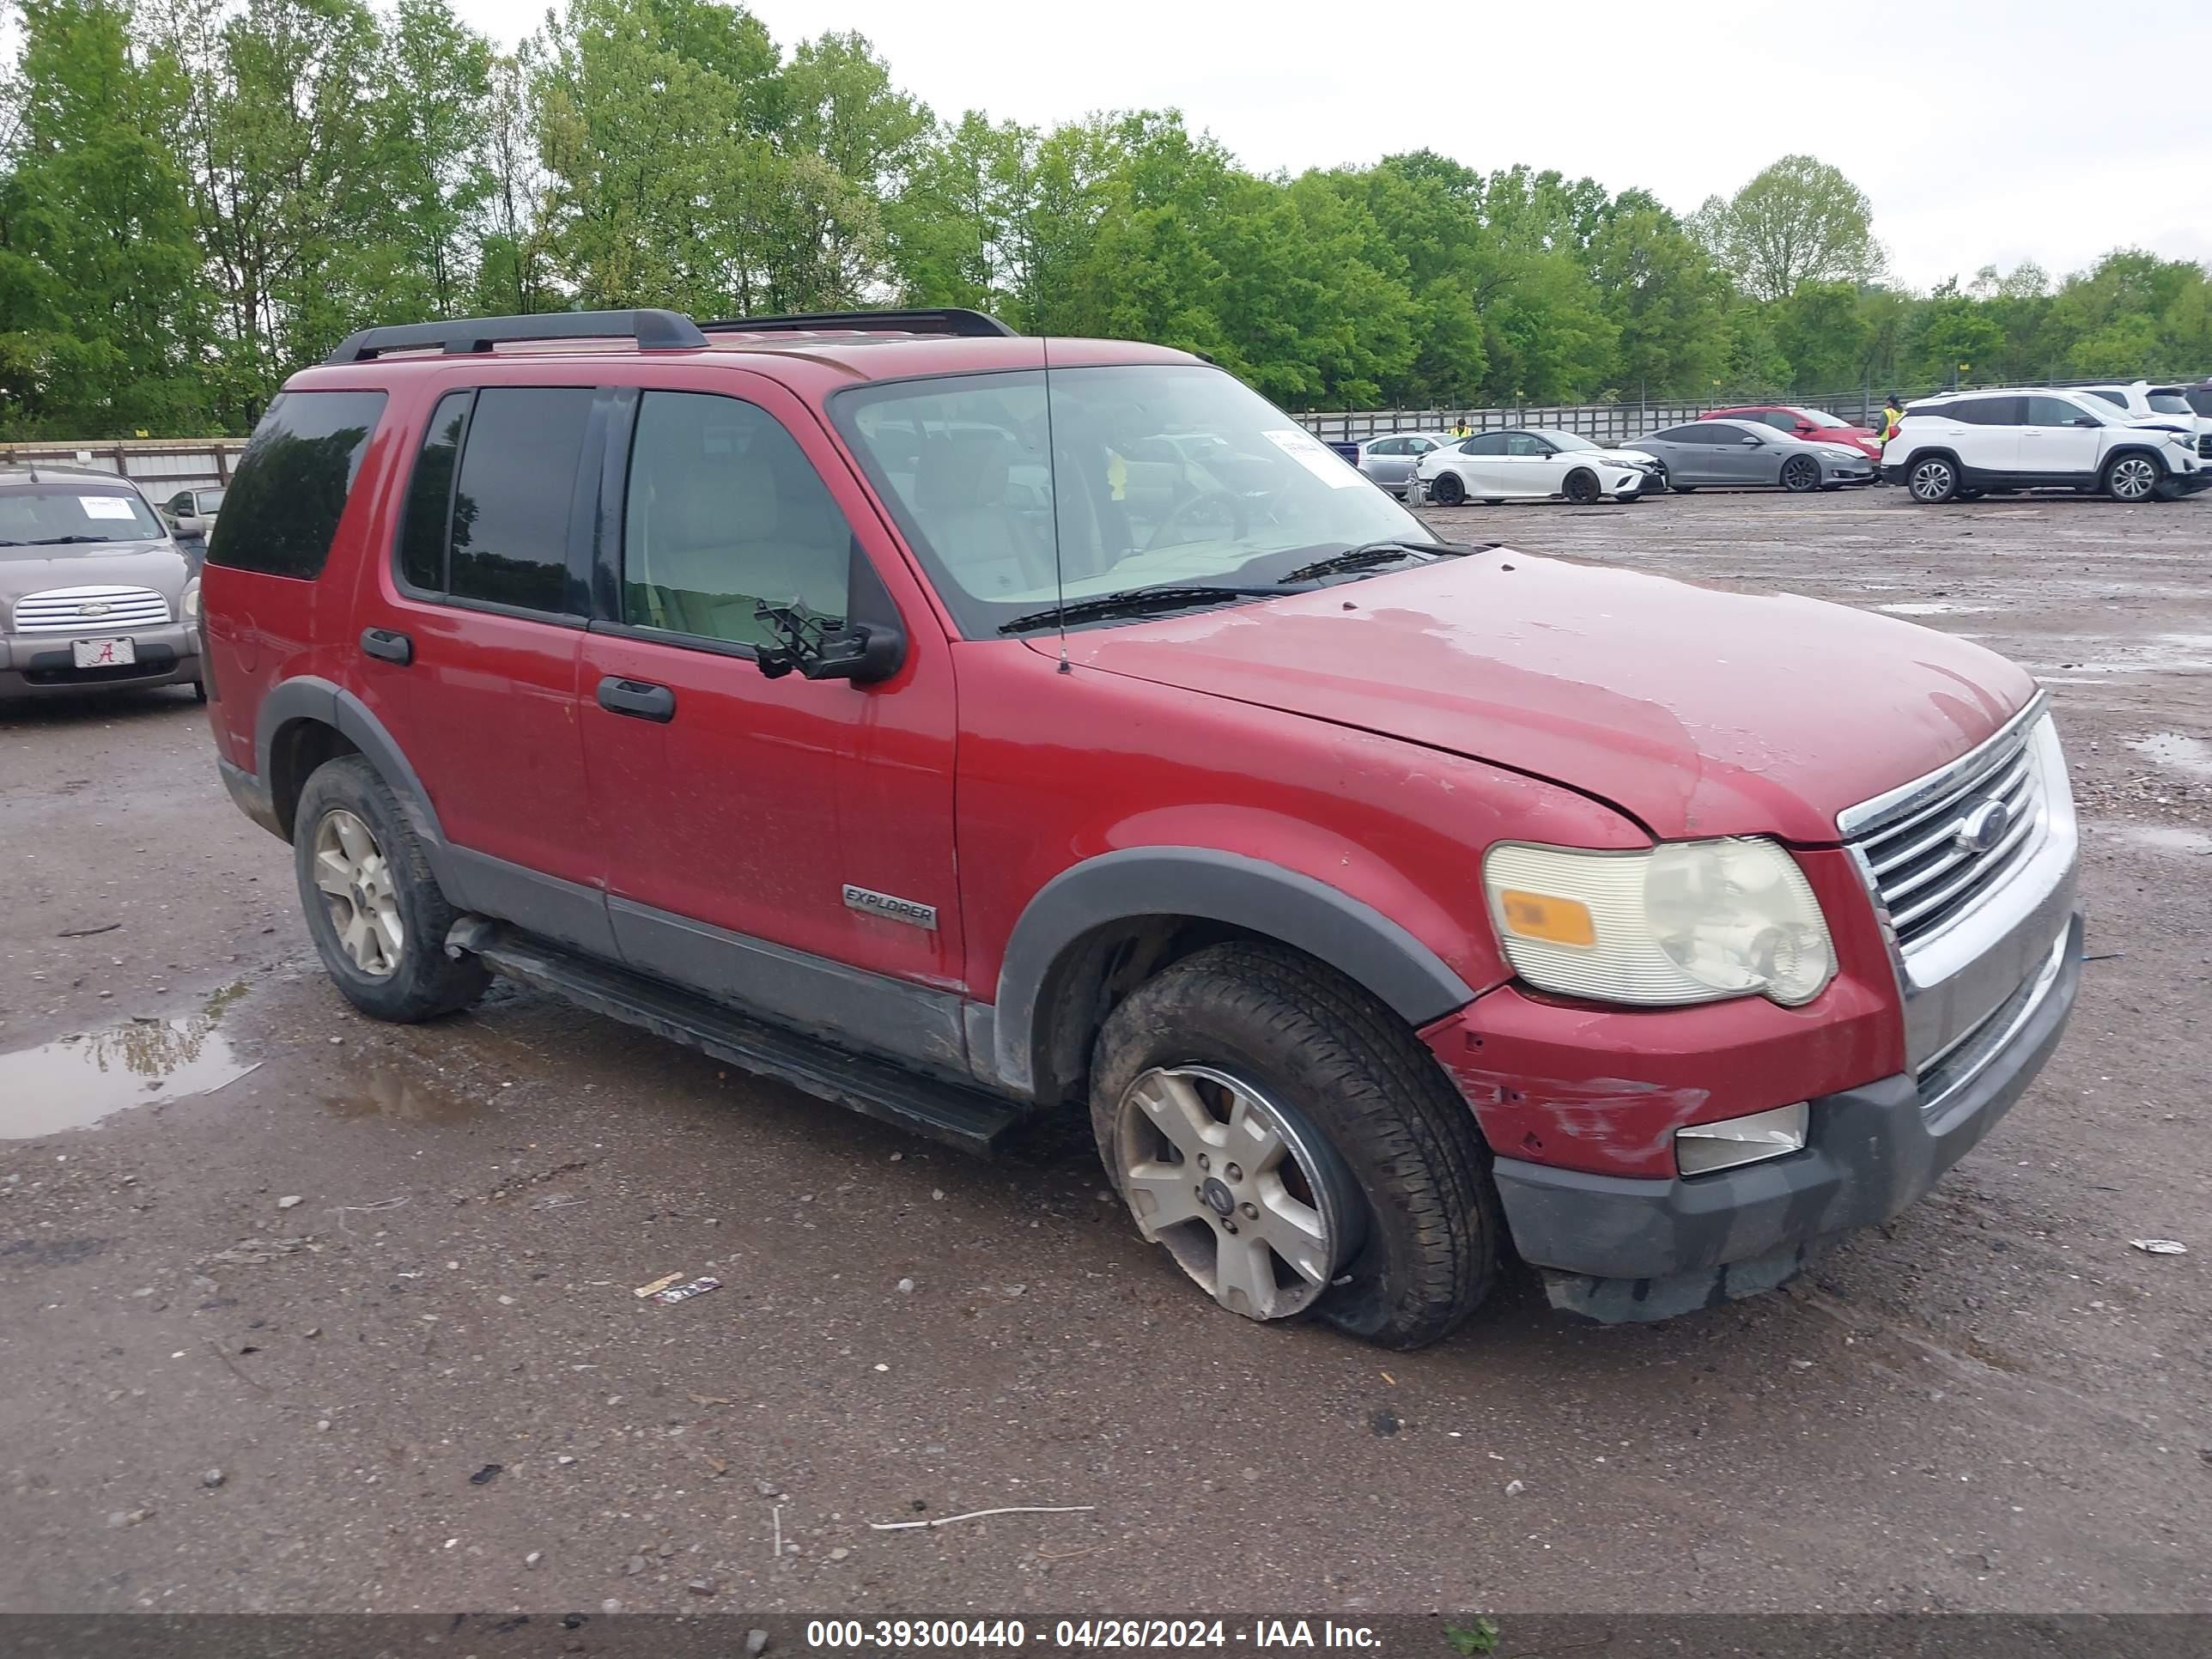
1052, 473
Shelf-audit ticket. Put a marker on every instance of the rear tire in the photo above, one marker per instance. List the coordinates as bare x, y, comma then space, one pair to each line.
1445, 490
1932, 480
1686, 489
1493, 501
1390, 1153
377, 914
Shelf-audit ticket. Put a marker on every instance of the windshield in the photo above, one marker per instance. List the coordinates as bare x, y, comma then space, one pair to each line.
2170, 402
1563, 440
47, 516
1159, 475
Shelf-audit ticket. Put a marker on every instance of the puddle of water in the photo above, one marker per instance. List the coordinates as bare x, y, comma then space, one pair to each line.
2190, 755
78, 1081
387, 1094
2162, 838
1932, 608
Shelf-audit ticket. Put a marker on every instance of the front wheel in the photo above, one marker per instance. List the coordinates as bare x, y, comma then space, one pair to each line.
377, 914
1294, 1148
1581, 488
1800, 473
1445, 490
1933, 480
2132, 479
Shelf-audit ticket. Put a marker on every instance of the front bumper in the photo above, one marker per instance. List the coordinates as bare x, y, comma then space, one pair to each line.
41, 666
1621, 1248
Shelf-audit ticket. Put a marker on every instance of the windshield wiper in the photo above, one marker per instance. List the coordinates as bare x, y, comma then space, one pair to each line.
65, 541
1134, 601
1368, 555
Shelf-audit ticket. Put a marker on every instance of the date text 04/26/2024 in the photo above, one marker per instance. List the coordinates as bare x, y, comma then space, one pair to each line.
1169, 1634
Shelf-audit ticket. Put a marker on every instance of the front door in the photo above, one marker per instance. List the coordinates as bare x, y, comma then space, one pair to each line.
1529, 466
2058, 440
785, 844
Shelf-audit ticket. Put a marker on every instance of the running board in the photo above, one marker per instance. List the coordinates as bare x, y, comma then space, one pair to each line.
967, 1119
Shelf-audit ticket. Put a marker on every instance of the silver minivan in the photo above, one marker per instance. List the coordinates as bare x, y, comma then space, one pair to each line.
95, 593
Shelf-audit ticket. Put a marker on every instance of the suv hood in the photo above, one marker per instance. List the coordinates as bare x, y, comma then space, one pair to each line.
1696, 711
157, 565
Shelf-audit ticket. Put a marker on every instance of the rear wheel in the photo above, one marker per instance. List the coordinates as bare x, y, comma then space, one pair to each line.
1581, 487
1445, 490
2132, 479
377, 915
1933, 480
1294, 1148
1800, 473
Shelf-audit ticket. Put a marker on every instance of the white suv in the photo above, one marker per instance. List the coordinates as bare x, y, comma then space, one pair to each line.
1978, 443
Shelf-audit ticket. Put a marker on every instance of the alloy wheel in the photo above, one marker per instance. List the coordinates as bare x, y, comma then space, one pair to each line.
354, 878
1802, 472
2134, 477
1251, 1204
1933, 481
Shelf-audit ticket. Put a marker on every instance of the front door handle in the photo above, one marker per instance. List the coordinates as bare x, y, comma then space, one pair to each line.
639, 699
387, 644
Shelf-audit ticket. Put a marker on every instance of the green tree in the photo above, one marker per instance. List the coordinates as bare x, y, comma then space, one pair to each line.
102, 312
1798, 220
1663, 295
1822, 331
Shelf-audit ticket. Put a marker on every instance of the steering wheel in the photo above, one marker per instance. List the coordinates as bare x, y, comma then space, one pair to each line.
1240, 515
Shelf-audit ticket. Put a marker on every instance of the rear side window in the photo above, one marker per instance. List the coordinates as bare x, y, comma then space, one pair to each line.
292, 483
487, 507
1990, 411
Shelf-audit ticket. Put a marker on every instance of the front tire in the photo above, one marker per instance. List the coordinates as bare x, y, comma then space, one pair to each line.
1932, 480
1447, 490
377, 915
1800, 473
2133, 479
1581, 487
1295, 1148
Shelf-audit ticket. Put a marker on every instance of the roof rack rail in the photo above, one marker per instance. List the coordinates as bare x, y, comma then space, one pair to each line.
652, 329
939, 319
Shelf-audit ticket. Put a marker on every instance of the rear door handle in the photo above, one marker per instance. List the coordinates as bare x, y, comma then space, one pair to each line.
639, 699
386, 643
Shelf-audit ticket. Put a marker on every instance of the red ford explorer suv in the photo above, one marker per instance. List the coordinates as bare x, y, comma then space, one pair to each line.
964, 728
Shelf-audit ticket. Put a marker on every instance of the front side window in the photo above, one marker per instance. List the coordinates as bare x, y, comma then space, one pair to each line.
284, 502
1387, 446
1781, 420
1528, 445
723, 513
487, 507
53, 518
1490, 443
2054, 412
1011, 506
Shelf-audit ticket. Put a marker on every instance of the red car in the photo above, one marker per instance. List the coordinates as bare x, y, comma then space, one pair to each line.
1799, 423
965, 739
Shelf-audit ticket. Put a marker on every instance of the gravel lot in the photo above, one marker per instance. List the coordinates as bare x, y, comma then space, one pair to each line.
426, 1384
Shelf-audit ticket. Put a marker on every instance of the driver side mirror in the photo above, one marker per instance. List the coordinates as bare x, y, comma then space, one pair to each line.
1751, 440
864, 646
2085, 420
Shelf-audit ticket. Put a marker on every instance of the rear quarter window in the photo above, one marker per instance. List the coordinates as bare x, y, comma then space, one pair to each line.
292, 483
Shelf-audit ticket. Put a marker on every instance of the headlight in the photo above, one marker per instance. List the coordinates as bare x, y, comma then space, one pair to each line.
1686, 922
190, 603
1842, 451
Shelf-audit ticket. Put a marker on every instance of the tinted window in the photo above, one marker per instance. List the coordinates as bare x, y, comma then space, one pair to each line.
2054, 412
1780, 420
291, 485
2199, 398
1387, 446
509, 542
1527, 444
2166, 401
1704, 433
724, 511
1989, 412
1490, 443
430, 495
2117, 399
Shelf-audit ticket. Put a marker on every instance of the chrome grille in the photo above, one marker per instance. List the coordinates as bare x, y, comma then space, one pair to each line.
1925, 864
90, 610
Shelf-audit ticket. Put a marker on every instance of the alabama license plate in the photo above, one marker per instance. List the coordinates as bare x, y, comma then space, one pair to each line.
104, 654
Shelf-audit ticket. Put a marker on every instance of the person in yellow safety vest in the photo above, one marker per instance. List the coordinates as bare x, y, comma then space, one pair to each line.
1892, 413
1460, 428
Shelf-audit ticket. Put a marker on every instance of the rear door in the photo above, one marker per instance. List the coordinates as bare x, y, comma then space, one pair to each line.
471, 629
1693, 451
783, 844
1479, 461
1987, 432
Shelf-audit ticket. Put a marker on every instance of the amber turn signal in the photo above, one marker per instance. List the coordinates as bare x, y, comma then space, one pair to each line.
1540, 915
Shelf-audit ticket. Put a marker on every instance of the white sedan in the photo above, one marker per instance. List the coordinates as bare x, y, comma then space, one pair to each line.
1531, 464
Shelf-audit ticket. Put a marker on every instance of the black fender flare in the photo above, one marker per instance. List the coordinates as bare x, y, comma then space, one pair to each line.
1202, 882
308, 697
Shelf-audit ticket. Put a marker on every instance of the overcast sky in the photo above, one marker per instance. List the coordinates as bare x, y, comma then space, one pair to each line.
1983, 132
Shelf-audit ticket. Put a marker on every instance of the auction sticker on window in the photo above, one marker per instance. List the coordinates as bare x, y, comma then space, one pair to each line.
1309, 452
105, 506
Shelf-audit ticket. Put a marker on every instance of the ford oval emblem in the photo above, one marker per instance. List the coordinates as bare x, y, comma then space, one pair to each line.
1983, 828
